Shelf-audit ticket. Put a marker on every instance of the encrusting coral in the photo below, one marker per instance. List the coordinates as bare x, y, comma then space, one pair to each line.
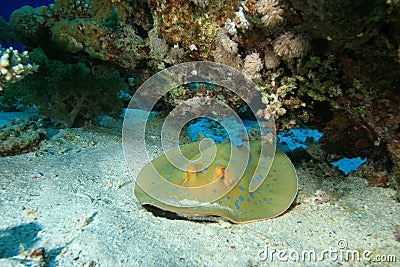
21, 136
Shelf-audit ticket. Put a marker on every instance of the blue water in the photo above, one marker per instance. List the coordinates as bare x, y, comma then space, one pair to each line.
8, 6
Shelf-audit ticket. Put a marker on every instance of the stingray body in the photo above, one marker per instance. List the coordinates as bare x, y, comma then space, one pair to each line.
215, 180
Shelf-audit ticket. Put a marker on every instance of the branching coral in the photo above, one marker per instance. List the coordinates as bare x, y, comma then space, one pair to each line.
14, 66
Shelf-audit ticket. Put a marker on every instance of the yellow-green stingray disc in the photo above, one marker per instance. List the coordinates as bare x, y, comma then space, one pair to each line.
162, 181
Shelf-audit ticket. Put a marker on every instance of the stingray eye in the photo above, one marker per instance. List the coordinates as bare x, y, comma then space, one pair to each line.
223, 169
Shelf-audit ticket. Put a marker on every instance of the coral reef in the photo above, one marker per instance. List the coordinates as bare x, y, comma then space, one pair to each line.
58, 92
192, 24
21, 136
78, 36
14, 66
310, 59
7, 37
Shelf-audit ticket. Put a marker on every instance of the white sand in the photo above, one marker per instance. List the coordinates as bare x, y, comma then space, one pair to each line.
74, 198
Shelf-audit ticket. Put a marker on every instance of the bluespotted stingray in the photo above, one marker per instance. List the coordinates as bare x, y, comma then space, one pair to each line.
200, 179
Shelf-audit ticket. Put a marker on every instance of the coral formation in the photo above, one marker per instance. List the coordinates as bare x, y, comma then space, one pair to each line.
252, 66
289, 46
7, 37
14, 66
78, 36
310, 59
72, 93
271, 12
21, 136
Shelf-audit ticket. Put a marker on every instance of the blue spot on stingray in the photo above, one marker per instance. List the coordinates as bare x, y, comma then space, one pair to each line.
205, 168
270, 198
239, 170
260, 201
241, 188
218, 164
248, 200
263, 162
153, 183
233, 160
252, 210
158, 186
188, 194
275, 180
255, 203
271, 191
251, 162
270, 176
175, 189
241, 198
274, 170
220, 202
265, 199
228, 197
201, 172
169, 188
268, 185
237, 204
215, 190
251, 195
264, 168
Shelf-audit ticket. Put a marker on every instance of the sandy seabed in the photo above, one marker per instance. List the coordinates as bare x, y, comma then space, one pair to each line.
72, 201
